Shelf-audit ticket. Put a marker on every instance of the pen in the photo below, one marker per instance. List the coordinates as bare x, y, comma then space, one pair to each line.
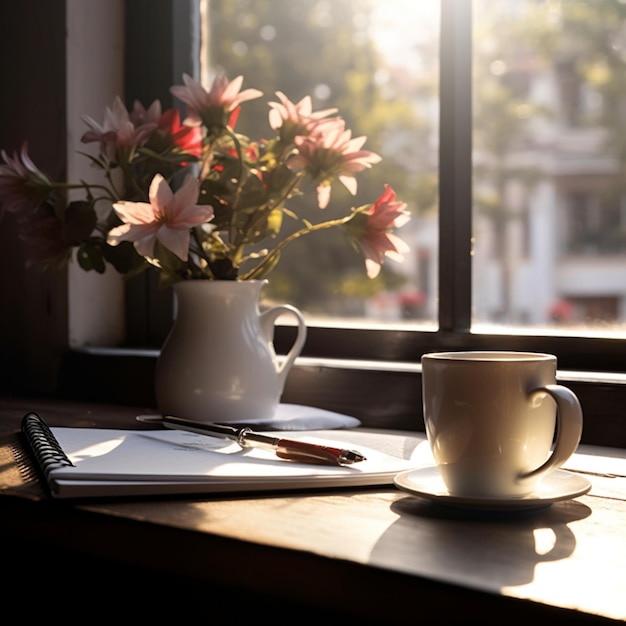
285, 448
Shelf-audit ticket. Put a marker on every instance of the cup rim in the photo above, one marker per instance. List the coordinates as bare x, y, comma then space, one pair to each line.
489, 356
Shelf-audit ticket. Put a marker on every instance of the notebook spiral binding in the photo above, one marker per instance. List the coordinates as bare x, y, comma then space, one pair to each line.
43, 443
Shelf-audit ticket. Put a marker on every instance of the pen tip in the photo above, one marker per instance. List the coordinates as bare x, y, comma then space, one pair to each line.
350, 456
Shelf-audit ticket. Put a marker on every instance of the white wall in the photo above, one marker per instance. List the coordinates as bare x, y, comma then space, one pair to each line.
95, 31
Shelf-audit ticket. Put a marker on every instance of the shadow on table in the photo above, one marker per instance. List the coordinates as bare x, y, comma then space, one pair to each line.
491, 550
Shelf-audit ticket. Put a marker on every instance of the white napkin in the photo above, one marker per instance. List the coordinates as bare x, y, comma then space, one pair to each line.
291, 417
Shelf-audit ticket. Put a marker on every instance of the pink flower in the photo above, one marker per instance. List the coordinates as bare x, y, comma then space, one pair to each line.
168, 218
140, 115
211, 107
374, 235
117, 130
295, 119
332, 154
23, 187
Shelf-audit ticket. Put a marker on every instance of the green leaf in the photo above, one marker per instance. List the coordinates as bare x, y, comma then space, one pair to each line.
168, 261
167, 279
80, 221
168, 157
97, 161
90, 257
253, 194
281, 178
272, 226
124, 258
223, 269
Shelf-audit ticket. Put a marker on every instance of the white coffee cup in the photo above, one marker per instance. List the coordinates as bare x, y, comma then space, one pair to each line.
492, 418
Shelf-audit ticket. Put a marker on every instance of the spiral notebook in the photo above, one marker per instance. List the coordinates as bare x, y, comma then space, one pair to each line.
94, 462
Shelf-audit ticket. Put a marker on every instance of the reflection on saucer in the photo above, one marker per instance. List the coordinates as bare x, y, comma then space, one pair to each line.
559, 485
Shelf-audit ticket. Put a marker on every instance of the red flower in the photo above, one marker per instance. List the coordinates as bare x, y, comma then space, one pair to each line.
371, 228
168, 134
187, 139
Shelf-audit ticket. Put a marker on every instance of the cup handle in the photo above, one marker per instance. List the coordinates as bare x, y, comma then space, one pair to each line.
268, 319
569, 426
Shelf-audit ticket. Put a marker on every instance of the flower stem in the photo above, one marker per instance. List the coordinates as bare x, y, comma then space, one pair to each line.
261, 214
87, 187
311, 228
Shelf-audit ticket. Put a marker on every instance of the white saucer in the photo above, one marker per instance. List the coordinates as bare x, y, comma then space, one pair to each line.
559, 485
289, 417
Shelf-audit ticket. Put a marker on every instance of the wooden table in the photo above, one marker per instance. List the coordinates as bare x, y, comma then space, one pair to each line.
368, 555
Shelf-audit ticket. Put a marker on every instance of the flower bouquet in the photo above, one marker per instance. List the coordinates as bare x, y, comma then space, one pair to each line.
196, 199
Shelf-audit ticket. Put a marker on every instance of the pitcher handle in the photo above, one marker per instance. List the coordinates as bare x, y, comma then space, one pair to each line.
569, 428
268, 320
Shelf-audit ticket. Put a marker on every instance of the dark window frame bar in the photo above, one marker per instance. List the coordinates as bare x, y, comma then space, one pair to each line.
455, 167
162, 42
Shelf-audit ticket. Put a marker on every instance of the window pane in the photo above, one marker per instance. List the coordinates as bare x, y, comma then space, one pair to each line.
377, 62
549, 199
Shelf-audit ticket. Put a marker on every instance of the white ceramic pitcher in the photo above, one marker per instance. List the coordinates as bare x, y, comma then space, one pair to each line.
218, 364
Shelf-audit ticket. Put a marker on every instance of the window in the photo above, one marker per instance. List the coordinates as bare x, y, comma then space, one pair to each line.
548, 166
487, 269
